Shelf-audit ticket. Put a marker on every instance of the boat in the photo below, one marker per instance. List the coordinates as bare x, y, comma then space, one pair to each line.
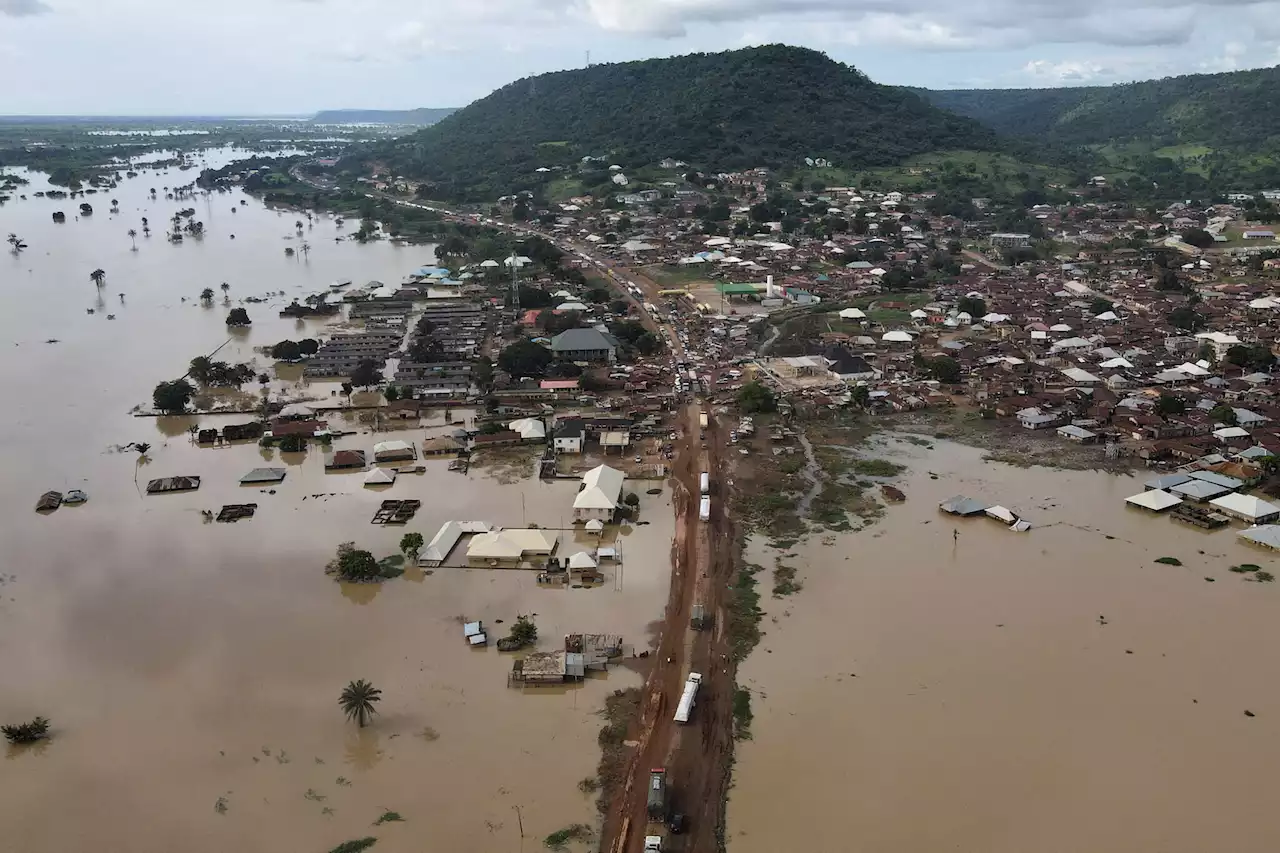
49, 501
75, 496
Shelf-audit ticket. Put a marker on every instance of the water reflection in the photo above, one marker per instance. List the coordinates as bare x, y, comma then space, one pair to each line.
361, 749
175, 426
360, 593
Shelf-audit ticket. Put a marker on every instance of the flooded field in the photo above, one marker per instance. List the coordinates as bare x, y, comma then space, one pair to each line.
192, 669
945, 683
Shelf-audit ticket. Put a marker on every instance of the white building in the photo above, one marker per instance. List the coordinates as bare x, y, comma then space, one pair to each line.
600, 495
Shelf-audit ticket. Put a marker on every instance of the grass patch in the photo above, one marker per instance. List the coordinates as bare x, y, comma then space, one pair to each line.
744, 613
355, 846
784, 580
742, 715
388, 817
589, 785
558, 839
1244, 568
1169, 561
1264, 577
621, 709
877, 468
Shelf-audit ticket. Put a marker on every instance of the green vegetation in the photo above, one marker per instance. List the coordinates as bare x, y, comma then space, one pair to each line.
29, 732
1169, 561
411, 544
524, 358
755, 397
621, 708
759, 106
524, 633
357, 846
589, 785
173, 397
742, 715
744, 613
388, 817
1264, 577
423, 116
352, 565
576, 832
238, 317
784, 580
1244, 568
877, 468
357, 701
293, 443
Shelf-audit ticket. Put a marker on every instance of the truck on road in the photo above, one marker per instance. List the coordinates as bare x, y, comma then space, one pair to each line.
687, 699
705, 482
658, 793
704, 509
702, 417
653, 844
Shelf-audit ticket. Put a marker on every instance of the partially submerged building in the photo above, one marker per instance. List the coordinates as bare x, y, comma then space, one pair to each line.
511, 546
600, 494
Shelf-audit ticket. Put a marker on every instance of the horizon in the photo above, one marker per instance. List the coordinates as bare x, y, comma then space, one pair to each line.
290, 57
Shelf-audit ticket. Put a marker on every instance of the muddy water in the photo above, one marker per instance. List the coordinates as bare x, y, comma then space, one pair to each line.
191, 669
927, 691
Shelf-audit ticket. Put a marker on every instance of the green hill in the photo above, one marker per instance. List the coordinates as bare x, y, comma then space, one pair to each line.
1236, 108
422, 116
766, 106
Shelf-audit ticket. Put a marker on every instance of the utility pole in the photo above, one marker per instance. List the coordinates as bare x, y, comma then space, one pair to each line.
515, 282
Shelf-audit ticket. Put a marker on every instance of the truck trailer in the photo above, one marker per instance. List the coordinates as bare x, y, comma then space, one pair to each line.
704, 509
658, 793
702, 418
688, 698
705, 482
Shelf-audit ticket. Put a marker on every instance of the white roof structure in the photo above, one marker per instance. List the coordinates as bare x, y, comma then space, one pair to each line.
394, 448
1265, 302
297, 410
582, 560
853, 314
595, 525
1230, 432
512, 544
441, 544
1107, 316
1220, 338
1075, 374
1060, 327
1247, 507
529, 428
380, 477
490, 264
1267, 535
1118, 361
919, 315
1156, 500
602, 487
718, 241
993, 317
1191, 369
897, 337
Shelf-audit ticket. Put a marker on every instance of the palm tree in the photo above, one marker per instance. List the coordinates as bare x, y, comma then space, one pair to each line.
357, 701
206, 295
133, 235
298, 225
16, 242
305, 249
142, 447
98, 276
226, 288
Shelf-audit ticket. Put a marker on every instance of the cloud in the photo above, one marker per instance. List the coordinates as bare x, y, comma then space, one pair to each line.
1058, 73
23, 8
927, 24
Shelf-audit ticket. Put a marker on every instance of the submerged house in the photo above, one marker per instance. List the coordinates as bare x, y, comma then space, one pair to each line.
600, 494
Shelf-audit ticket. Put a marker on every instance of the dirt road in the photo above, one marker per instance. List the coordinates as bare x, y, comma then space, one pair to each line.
696, 755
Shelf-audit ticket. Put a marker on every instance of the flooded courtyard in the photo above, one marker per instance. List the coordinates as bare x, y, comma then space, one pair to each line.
191, 669
944, 683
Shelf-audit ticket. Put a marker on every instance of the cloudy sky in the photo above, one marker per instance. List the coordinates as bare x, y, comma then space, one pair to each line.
255, 57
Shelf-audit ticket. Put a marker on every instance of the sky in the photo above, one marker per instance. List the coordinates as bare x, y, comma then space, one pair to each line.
287, 57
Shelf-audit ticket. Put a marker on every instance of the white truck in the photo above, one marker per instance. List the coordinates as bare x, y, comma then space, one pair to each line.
704, 509
705, 482
687, 699
653, 844
702, 417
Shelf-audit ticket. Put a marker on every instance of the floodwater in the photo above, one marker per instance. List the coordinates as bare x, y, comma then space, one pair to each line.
990, 691
192, 669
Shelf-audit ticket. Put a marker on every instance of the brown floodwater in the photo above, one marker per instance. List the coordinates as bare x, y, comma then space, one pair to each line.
191, 669
991, 691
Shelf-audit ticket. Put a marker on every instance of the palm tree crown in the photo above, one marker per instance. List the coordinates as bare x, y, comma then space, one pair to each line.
357, 701
98, 276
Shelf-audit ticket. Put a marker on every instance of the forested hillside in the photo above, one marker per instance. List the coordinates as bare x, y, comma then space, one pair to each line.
1231, 109
422, 116
764, 106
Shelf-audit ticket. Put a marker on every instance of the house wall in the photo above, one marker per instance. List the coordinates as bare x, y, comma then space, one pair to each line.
605, 515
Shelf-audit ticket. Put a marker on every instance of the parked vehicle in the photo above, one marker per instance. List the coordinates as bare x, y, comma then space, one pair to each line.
658, 793
689, 697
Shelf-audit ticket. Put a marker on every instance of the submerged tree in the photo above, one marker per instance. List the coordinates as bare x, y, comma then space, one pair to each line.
133, 235
411, 545
16, 243
354, 565
358, 700
30, 732
206, 296
172, 397
98, 276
